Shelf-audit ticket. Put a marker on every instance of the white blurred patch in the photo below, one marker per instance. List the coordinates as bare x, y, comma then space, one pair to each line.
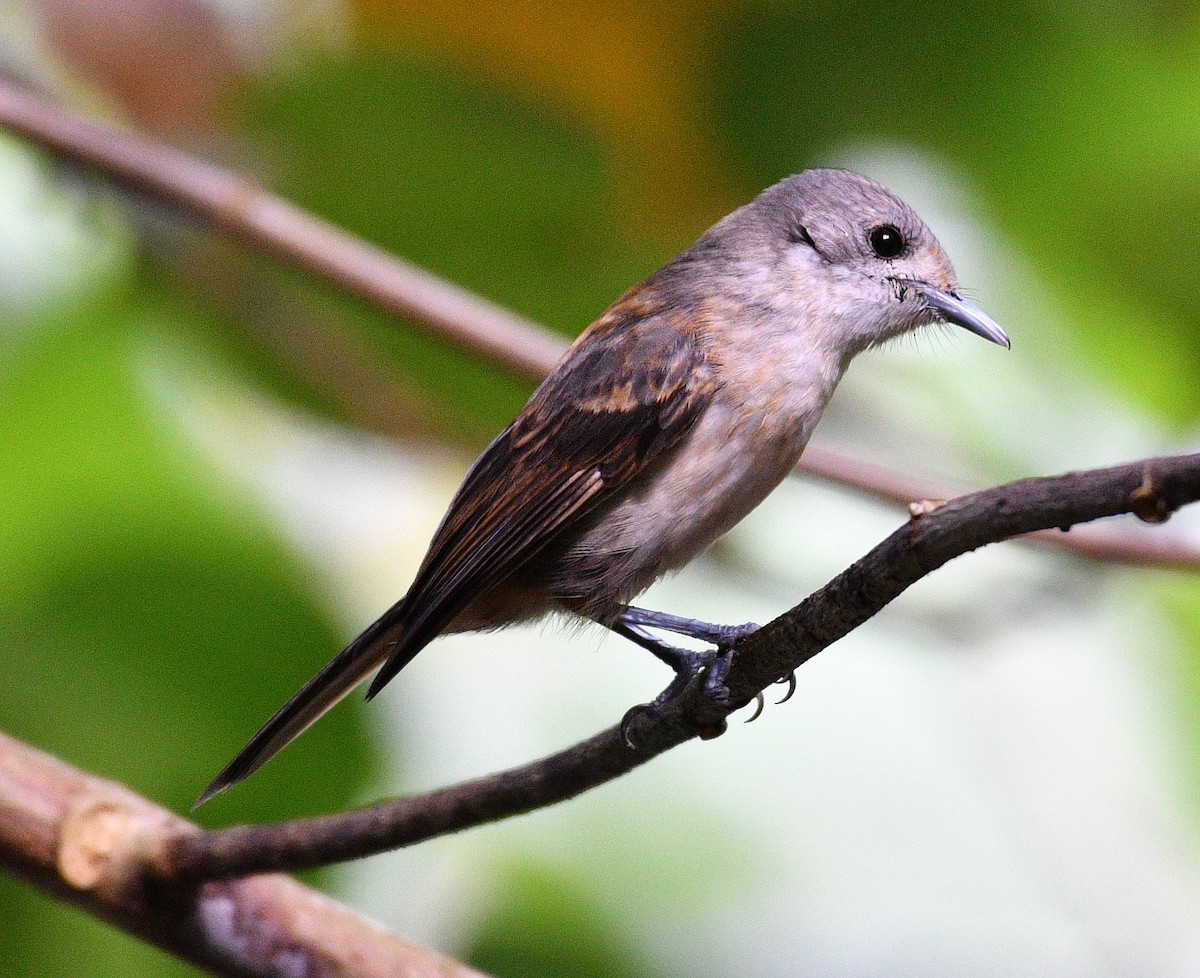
360, 508
56, 241
279, 33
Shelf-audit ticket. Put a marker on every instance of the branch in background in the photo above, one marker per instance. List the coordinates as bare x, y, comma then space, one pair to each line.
1130, 543
244, 211
1152, 490
344, 367
85, 840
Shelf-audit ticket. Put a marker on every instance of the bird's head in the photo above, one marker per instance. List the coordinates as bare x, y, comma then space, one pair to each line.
847, 257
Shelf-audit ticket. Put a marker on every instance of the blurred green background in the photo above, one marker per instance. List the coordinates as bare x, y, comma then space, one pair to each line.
214, 470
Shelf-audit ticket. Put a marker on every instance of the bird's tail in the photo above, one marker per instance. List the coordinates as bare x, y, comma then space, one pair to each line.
321, 693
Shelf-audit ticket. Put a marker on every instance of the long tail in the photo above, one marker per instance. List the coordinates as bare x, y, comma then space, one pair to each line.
345, 671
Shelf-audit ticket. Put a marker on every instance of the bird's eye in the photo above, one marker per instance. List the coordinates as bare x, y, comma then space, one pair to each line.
886, 240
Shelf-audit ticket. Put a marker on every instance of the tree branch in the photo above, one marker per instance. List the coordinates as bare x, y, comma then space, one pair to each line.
1134, 544
86, 841
245, 212
1151, 489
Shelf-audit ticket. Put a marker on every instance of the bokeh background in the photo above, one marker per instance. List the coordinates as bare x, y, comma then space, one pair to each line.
214, 471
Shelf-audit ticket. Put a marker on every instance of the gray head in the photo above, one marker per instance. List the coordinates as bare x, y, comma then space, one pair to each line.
846, 252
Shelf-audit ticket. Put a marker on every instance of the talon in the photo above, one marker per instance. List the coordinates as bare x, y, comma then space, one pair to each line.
759, 700
627, 720
655, 708
790, 679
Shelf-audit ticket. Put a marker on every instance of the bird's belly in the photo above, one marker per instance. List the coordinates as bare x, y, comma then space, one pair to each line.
725, 468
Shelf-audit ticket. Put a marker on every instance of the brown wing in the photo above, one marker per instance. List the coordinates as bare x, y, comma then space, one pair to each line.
628, 391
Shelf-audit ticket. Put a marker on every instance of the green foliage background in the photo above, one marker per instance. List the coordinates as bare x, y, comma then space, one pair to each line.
151, 611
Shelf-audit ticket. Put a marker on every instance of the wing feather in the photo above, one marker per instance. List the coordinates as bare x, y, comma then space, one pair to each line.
627, 392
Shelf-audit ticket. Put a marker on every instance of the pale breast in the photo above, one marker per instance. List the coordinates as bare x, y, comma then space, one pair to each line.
776, 374
728, 464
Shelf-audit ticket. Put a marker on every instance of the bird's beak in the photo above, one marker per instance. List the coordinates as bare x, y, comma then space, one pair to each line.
953, 308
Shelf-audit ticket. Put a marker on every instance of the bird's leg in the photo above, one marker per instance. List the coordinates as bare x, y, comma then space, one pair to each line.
632, 623
719, 635
722, 636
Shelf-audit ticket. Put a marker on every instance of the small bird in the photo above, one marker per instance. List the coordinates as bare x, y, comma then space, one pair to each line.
667, 421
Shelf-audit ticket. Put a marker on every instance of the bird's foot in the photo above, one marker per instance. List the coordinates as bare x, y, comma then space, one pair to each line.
718, 670
688, 665
691, 664
633, 623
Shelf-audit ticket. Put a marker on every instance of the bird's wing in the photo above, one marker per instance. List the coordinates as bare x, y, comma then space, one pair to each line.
627, 391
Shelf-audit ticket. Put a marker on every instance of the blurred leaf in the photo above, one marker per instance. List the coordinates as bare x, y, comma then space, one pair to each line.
546, 927
149, 618
482, 187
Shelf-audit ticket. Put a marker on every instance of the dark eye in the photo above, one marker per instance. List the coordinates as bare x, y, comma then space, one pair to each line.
886, 240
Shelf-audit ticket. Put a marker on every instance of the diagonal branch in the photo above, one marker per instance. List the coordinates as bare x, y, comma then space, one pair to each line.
1128, 543
241, 209
1151, 489
84, 840
244, 211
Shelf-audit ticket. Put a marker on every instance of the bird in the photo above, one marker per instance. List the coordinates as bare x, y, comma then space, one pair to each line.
670, 417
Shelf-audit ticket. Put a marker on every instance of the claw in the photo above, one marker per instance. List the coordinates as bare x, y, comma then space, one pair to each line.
790, 679
759, 700
655, 708
630, 715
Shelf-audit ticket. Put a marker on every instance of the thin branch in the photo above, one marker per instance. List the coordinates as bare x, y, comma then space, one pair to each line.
241, 209
85, 840
244, 211
1134, 544
1151, 489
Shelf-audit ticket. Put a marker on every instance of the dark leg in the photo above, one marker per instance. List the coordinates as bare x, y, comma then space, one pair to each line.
718, 635
685, 663
681, 660
722, 636
632, 624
